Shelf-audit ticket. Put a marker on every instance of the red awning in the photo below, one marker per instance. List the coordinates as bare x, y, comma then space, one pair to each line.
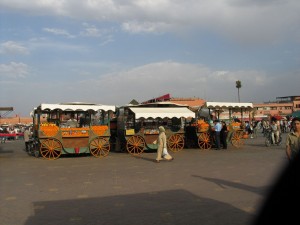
277, 117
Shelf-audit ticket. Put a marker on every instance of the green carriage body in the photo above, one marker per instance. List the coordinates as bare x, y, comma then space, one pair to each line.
138, 126
71, 128
204, 138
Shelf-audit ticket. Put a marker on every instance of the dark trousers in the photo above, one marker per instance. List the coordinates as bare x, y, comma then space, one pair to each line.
223, 136
26, 146
217, 135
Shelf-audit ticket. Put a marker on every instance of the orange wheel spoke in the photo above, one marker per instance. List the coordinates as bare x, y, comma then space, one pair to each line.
204, 141
135, 145
46, 153
93, 145
51, 148
176, 142
98, 145
45, 145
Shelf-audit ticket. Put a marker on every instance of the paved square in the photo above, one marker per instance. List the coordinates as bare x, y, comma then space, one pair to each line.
198, 187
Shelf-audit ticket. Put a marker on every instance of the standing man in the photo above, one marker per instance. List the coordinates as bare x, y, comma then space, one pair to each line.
275, 132
223, 135
217, 128
293, 139
26, 138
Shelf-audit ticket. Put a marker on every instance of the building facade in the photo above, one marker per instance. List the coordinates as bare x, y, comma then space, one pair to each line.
282, 107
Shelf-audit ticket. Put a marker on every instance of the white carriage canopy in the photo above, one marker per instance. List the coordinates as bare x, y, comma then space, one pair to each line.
230, 106
76, 107
166, 112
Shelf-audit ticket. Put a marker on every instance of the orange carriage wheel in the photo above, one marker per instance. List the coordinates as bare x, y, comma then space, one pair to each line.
237, 139
99, 147
175, 142
135, 145
50, 148
204, 141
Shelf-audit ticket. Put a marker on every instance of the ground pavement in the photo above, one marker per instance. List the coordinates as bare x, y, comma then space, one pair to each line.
198, 187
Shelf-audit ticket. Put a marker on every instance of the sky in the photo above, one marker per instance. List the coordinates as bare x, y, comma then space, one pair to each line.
113, 51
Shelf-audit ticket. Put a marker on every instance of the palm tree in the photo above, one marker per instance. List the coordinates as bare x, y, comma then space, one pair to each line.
238, 85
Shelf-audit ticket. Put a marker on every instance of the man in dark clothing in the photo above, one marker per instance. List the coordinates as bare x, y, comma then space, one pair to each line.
223, 135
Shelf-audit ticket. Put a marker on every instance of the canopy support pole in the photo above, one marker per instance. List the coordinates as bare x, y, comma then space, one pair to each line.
241, 114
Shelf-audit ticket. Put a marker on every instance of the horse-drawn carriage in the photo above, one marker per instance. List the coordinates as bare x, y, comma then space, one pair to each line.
137, 126
201, 131
236, 134
199, 134
71, 128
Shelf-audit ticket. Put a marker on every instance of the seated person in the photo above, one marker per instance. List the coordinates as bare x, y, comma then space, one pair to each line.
72, 122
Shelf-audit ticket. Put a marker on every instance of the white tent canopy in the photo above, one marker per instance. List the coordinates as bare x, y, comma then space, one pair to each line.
166, 112
228, 105
76, 107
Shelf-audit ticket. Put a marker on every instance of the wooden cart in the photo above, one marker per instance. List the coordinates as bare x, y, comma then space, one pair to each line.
137, 126
235, 134
199, 134
71, 128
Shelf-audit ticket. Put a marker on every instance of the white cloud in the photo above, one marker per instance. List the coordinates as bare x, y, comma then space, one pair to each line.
105, 34
152, 80
14, 48
254, 21
178, 79
60, 32
91, 31
144, 27
46, 45
14, 70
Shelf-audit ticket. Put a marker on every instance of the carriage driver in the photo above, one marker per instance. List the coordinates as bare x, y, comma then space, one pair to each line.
72, 122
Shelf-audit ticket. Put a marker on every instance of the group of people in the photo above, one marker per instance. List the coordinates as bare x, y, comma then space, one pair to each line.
277, 127
292, 139
12, 132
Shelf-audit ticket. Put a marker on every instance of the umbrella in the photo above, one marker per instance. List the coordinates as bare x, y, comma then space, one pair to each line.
296, 114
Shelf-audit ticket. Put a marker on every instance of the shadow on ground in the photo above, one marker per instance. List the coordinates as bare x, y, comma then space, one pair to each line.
223, 183
167, 207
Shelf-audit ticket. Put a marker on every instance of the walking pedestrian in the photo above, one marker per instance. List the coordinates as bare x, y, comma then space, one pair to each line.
162, 144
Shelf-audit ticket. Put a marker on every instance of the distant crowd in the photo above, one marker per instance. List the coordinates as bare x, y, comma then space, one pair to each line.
13, 132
